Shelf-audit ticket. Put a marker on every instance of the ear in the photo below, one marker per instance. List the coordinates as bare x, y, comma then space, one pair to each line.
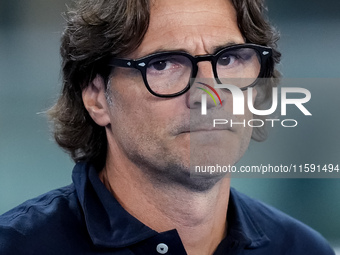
95, 101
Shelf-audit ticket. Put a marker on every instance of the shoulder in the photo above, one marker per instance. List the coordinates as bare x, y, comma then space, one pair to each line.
39, 209
38, 222
283, 231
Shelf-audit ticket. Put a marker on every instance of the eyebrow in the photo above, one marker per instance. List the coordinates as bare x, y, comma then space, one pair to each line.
214, 49
220, 47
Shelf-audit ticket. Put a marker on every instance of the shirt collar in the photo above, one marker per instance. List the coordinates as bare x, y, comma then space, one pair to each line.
242, 224
110, 225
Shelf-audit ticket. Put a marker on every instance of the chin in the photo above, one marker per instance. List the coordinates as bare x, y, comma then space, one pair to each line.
195, 182
179, 174
201, 183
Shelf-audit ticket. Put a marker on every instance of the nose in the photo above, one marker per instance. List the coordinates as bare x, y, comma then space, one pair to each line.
205, 70
203, 84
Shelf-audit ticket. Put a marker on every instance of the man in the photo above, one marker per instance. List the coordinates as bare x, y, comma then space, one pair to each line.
128, 115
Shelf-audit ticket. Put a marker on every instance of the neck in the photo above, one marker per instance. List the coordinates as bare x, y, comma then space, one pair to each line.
166, 207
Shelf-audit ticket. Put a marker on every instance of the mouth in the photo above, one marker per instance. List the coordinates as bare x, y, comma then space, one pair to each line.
205, 130
199, 125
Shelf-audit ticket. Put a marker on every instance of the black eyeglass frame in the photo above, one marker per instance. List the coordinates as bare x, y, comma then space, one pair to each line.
264, 52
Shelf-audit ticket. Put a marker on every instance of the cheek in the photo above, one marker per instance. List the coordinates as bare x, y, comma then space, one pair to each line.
246, 132
129, 114
137, 115
254, 94
247, 112
127, 107
132, 127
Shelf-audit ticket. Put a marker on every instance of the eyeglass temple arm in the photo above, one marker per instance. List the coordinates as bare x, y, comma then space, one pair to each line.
122, 62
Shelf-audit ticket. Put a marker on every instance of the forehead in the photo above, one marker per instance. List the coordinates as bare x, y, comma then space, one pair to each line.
195, 26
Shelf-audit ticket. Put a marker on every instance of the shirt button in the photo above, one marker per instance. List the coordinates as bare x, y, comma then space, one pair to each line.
162, 248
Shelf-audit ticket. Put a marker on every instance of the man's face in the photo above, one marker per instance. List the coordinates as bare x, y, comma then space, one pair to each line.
153, 132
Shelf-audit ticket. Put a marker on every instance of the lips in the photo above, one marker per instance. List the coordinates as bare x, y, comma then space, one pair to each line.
197, 123
209, 130
206, 128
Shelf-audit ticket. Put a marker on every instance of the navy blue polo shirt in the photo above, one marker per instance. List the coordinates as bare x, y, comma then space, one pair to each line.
84, 218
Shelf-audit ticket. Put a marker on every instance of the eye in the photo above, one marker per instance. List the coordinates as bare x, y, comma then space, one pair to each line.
235, 58
169, 63
162, 63
226, 60
159, 65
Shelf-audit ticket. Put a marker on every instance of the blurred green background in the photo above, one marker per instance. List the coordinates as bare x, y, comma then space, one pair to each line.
31, 163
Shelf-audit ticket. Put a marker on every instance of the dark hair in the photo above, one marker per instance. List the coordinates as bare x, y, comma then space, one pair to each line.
256, 28
97, 29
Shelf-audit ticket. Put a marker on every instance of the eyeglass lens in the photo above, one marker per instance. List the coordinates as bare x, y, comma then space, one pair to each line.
171, 73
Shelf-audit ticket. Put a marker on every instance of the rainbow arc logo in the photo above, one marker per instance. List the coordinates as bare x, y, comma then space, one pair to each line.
204, 97
209, 93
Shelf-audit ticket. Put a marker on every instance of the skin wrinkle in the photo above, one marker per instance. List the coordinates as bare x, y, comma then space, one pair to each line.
189, 43
174, 12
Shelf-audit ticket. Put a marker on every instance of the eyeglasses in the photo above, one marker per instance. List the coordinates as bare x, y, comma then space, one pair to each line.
168, 74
